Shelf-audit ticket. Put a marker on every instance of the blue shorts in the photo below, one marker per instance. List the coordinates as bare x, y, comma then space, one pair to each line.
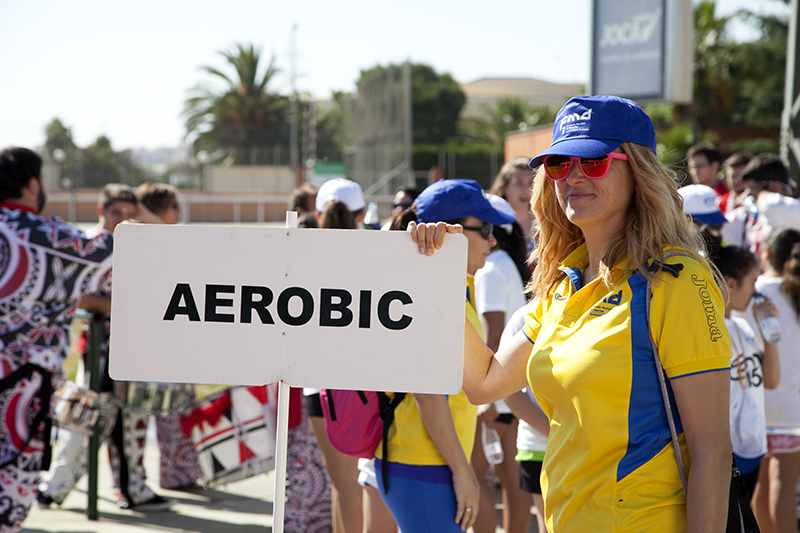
420, 505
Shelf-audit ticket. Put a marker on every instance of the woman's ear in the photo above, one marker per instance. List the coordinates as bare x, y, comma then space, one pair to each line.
732, 283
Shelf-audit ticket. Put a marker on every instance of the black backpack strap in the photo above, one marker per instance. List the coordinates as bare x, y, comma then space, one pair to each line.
331, 409
387, 415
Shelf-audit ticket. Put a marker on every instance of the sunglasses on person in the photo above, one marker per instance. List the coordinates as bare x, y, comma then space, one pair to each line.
404, 206
557, 167
485, 230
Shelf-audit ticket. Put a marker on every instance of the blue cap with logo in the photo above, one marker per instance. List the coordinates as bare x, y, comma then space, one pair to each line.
453, 199
593, 126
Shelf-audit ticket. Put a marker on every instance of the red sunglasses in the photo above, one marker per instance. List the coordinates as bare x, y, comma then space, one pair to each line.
557, 167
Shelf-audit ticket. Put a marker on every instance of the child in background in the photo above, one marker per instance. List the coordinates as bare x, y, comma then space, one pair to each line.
753, 368
774, 498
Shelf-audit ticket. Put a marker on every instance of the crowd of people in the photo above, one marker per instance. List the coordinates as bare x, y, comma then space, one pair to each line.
591, 273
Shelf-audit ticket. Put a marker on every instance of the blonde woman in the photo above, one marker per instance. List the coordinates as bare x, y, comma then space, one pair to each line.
608, 212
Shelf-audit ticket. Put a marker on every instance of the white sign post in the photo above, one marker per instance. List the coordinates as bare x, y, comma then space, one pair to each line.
312, 308
281, 436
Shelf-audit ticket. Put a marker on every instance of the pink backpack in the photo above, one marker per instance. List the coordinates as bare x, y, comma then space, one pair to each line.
356, 421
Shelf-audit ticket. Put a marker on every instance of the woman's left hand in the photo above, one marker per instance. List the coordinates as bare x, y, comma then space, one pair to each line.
430, 235
467, 492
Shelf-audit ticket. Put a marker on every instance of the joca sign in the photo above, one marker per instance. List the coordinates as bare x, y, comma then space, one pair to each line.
318, 308
641, 49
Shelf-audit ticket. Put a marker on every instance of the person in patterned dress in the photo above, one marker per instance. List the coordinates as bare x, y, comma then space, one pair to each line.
124, 429
45, 266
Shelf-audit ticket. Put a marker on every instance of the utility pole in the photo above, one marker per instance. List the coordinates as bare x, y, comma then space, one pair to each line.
294, 160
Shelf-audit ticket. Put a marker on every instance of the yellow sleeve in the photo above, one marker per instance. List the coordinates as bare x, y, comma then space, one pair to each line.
687, 319
533, 322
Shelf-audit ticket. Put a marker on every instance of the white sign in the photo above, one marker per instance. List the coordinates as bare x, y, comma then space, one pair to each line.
312, 307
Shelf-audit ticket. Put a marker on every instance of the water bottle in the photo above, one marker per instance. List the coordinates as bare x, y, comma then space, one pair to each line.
767, 320
492, 447
371, 220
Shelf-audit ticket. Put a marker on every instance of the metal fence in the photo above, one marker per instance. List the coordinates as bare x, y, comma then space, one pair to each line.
377, 132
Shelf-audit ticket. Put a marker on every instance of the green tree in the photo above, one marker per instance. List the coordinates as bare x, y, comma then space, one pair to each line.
329, 129
714, 91
58, 136
760, 70
436, 102
243, 118
102, 165
507, 115
735, 83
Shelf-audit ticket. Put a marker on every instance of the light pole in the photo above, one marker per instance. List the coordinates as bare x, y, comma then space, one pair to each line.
60, 157
205, 164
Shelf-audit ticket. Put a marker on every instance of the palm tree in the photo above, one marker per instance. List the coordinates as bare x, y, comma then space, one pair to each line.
505, 116
243, 118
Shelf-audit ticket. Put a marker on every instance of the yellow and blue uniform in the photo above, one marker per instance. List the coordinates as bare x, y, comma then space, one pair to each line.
421, 495
610, 464
409, 441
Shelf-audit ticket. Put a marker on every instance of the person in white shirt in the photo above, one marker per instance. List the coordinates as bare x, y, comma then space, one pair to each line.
774, 496
754, 363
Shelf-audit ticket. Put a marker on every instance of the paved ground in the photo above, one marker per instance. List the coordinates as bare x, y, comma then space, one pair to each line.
241, 507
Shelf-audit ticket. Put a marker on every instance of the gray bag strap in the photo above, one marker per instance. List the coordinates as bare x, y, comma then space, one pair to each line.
664, 392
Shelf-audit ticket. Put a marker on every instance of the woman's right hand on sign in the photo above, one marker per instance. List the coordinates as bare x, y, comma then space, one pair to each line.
430, 235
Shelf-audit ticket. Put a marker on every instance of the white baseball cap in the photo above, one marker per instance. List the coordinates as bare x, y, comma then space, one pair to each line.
344, 190
700, 201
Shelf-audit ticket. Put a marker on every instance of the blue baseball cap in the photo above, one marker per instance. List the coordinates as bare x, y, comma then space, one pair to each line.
593, 126
453, 199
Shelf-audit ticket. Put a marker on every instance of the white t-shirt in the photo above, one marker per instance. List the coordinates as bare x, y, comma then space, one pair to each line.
527, 438
749, 437
782, 403
498, 287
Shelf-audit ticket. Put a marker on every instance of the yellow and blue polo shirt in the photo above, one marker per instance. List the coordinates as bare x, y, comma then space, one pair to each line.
610, 464
409, 441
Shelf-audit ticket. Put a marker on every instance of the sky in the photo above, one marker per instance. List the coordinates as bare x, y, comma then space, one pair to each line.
123, 69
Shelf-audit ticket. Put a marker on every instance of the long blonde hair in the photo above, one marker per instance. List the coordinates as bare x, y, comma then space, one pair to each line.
655, 219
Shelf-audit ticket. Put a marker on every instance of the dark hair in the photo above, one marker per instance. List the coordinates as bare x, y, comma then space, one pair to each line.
157, 197
765, 167
518, 250
413, 192
705, 149
337, 216
738, 159
735, 262
399, 221
784, 256
116, 192
301, 195
307, 220
17, 167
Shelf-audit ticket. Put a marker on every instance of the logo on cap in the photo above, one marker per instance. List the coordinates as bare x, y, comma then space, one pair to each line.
575, 122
